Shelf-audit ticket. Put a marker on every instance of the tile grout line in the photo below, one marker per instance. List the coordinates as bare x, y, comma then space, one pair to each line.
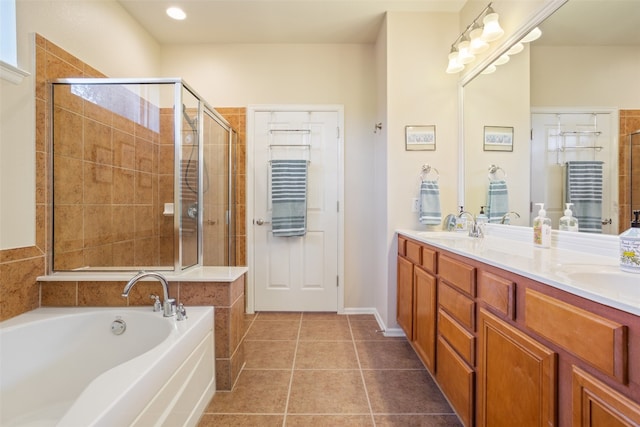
364, 384
293, 364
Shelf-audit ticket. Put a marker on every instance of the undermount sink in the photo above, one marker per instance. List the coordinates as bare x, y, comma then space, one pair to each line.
599, 277
444, 235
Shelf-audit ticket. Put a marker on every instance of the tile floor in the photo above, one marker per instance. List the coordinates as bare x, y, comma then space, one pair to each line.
324, 369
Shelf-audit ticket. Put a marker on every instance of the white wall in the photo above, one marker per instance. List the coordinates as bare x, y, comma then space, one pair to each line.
419, 92
249, 74
100, 33
608, 76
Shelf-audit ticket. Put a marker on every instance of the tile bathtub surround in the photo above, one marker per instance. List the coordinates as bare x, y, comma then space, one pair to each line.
226, 297
321, 369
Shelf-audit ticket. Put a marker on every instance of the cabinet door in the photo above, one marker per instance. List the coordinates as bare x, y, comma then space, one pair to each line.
404, 307
517, 383
597, 405
424, 320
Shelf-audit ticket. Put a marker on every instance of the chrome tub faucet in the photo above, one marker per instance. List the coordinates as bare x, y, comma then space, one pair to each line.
169, 305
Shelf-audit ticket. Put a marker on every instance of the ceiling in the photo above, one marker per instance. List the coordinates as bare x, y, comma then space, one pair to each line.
600, 22
274, 21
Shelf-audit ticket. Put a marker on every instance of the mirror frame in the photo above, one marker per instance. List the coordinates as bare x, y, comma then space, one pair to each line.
535, 19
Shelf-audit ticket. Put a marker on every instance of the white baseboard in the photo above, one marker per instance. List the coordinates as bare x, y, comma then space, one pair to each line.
387, 332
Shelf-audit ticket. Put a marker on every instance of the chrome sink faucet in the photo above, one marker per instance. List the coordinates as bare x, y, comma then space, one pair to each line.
507, 215
475, 229
169, 305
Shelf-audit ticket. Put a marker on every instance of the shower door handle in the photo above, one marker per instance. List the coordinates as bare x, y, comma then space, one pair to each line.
261, 221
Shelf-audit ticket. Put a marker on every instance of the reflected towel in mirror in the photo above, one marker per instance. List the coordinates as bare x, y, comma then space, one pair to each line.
584, 190
497, 200
430, 213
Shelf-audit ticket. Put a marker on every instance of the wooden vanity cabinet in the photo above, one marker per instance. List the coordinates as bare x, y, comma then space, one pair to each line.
511, 351
416, 298
516, 377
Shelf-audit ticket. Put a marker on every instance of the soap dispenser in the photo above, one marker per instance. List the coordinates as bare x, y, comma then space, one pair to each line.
568, 222
461, 220
630, 246
542, 228
482, 217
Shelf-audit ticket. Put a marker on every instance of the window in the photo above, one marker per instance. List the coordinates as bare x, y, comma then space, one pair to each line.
8, 46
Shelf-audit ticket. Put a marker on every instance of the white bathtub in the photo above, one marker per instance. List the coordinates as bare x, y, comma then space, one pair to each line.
65, 367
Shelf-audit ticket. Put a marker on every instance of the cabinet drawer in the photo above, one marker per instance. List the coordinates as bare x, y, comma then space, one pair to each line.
413, 251
598, 341
458, 274
456, 379
498, 293
458, 305
429, 260
402, 244
459, 338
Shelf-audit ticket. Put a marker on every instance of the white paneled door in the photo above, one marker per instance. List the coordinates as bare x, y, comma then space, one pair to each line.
298, 273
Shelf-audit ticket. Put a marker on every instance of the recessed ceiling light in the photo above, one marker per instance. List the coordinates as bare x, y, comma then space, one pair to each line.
176, 13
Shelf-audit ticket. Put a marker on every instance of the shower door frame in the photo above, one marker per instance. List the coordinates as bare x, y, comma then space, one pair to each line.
179, 86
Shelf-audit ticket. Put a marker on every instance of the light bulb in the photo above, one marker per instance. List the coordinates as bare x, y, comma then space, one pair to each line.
516, 48
454, 65
176, 13
533, 35
477, 45
464, 55
492, 30
503, 59
490, 69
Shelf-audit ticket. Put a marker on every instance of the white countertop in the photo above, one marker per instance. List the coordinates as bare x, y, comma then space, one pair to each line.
195, 274
580, 263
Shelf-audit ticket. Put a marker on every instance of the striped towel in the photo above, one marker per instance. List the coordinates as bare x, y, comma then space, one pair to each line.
430, 213
497, 200
289, 197
584, 190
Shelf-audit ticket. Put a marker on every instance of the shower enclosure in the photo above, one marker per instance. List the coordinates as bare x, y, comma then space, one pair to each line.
141, 176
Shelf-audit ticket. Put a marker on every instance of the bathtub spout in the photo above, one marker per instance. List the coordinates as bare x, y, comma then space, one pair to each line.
169, 305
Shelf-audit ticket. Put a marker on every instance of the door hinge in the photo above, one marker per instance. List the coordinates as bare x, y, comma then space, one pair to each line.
338, 206
337, 281
338, 132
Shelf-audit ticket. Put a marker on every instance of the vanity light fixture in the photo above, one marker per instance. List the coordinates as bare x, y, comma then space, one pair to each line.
489, 70
454, 64
477, 45
474, 39
176, 13
533, 35
516, 48
492, 30
503, 59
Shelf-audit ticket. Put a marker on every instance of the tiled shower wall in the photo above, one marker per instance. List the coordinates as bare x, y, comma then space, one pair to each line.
112, 179
19, 268
629, 122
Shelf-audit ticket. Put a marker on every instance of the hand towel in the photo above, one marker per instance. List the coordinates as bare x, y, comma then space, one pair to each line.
497, 200
430, 213
584, 190
289, 197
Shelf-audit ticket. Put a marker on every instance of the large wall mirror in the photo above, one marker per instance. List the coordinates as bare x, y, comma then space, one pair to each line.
560, 100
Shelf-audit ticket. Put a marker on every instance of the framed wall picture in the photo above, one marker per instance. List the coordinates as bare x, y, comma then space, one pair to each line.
420, 138
498, 138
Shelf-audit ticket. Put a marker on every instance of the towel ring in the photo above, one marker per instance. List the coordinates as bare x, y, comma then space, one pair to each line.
493, 172
426, 170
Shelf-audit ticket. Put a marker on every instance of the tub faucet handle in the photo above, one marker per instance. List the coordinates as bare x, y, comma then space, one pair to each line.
182, 312
157, 306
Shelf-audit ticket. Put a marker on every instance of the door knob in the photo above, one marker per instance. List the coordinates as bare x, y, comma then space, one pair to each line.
261, 221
